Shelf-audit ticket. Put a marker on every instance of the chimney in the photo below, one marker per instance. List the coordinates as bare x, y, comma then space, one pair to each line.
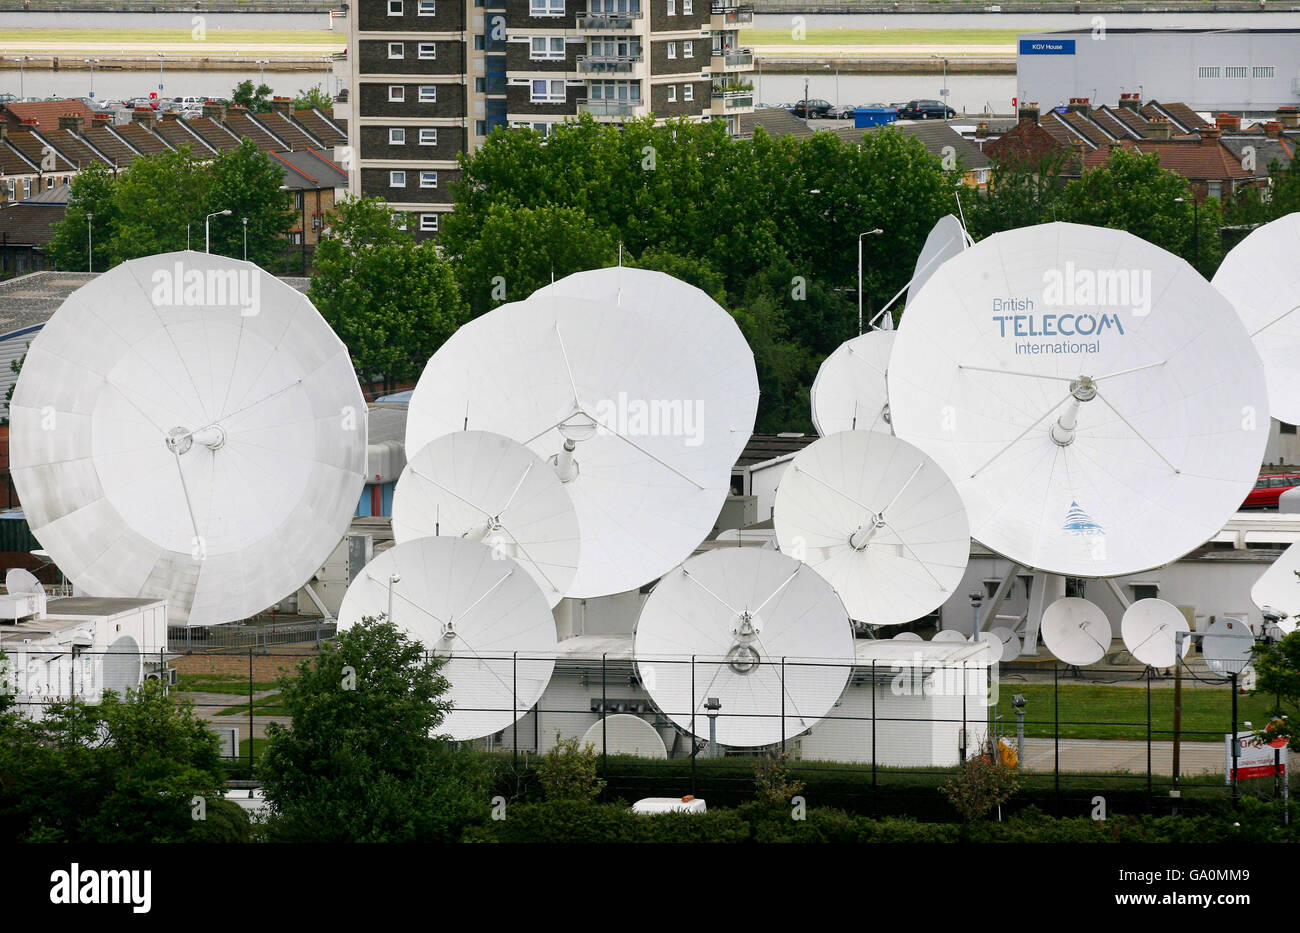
72, 122
214, 109
1159, 128
30, 123
1209, 135
1289, 116
101, 119
1130, 102
1079, 105
1228, 122
143, 115
236, 110
282, 105
982, 130
169, 116
1273, 129
1029, 111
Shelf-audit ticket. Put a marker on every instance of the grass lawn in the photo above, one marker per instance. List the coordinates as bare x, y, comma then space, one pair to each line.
15, 37
218, 683
868, 37
263, 706
1102, 712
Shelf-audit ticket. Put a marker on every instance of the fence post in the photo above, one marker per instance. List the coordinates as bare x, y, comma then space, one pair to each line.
250, 713
782, 705
1150, 800
604, 725
694, 747
514, 709
875, 805
1056, 736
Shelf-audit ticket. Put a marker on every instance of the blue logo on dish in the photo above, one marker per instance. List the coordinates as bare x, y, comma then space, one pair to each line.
1079, 522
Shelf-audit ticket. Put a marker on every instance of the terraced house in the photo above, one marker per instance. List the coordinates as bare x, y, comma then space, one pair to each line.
433, 78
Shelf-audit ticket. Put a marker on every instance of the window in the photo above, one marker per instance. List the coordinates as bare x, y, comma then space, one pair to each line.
688, 49
672, 49
1282, 426
428, 51
545, 7
688, 92
543, 48
394, 7
1144, 590
480, 85
395, 50
428, 8
397, 179
1236, 71
1207, 71
428, 93
428, 179
480, 127
672, 7
1262, 71
428, 137
545, 92
396, 93
688, 7
401, 220
397, 136
428, 223
27, 187
672, 93
1214, 189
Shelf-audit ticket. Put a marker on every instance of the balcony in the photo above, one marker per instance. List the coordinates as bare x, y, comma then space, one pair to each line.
738, 99
612, 109
735, 60
608, 22
730, 16
609, 64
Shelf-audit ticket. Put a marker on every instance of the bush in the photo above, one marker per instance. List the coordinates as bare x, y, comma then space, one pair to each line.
580, 821
568, 772
226, 823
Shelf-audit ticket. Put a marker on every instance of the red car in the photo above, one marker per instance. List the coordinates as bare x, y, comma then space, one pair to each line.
1269, 488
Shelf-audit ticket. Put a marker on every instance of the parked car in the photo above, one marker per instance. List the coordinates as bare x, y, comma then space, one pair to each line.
1269, 488
8, 98
925, 110
812, 108
842, 113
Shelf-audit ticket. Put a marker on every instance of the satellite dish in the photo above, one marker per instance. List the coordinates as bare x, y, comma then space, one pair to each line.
1227, 646
187, 427
621, 734
951, 635
907, 636
489, 488
122, 666
1005, 643
1150, 628
18, 580
1260, 278
1279, 587
480, 610
1076, 631
947, 239
641, 426
1123, 451
879, 520
698, 321
849, 392
767, 635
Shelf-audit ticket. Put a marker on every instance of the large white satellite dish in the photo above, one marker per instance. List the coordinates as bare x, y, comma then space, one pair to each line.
1261, 278
698, 320
947, 239
623, 734
1227, 646
479, 609
768, 637
950, 635
1005, 643
489, 488
1278, 588
907, 636
879, 520
188, 427
18, 580
1150, 630
639, 424
122, 666
1098, 406
1076, 631
849, 393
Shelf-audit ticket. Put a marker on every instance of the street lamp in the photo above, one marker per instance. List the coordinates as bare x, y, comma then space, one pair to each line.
245, 220
160, 69
22, 64
207, 228
90, 246
261, 74
944, 93
92, 62
860, 236
1196, 229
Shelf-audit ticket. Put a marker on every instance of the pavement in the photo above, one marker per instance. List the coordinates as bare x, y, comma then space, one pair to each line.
1109, 755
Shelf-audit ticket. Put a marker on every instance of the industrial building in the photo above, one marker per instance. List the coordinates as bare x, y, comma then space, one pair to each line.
1249, 72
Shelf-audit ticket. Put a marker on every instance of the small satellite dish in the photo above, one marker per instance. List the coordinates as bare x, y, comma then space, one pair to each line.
641, 426
947, 239
480, 610
622, 734
698, 321
1150, 628
1005, 643
1260, 278
1227, 646
1279, 587
486, 487
122, 666
849, 393
18, 580
768, 637
951, 635
879, 520
187, 427
1085, 391
1076, 631
908, 636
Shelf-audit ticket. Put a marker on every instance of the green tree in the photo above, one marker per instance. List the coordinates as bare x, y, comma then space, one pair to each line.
1018, 194
1277, 666
248, 183
155, 200
392, 301
313, 97
568, 771
257, 98
93, 191
132, 769
361, 761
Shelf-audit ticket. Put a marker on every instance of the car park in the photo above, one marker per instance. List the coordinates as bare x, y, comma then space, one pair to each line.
925, 110
812, 108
